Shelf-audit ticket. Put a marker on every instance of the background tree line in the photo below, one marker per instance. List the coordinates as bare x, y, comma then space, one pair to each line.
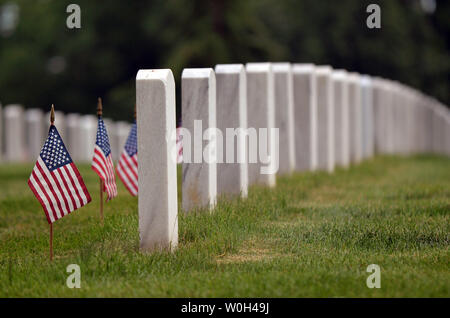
44, 62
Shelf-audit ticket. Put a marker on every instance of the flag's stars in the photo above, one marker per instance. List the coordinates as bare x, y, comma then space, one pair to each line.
54, 153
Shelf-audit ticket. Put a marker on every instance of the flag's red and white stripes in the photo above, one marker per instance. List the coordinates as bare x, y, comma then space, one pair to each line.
127, 170
60, 191
104, 167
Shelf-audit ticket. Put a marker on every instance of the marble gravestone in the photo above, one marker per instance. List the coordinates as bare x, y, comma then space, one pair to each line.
305, 116
14, 133
325, 119
261, 115
378, 120
157, 170
35, 132
73, 140
198, 110
354, 97
88, 134
390, 91
341, 118
367, 116
284, 116
231, 112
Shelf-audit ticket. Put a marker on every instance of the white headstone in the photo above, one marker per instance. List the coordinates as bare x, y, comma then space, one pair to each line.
284, 116
325, 119
157, 170
198, 107
261, 116
367, 116
35, 132
231, 112
88, 134
355, 116
341, 118
73, 140
14, 133
378, 111
305, 116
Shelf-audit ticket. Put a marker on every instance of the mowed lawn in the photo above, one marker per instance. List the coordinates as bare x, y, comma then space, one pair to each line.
312, 236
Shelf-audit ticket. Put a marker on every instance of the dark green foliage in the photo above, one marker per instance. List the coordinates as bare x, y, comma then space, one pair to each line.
119, 37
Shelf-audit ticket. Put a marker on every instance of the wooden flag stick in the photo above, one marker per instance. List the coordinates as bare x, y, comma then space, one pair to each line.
52, 121
99, 114
51, 241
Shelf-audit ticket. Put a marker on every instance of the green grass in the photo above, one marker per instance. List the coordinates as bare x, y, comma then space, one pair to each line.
311, 236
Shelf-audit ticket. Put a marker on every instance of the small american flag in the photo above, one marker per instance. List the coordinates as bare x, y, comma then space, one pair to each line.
127, 168
55, 180
102, 162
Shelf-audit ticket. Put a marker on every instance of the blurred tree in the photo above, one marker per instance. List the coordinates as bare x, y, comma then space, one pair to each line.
44, 62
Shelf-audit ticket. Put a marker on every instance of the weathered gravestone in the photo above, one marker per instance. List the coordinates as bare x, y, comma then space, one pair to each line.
231, 113
355, 122
367, 116
88, 133
261, 116
325, 119
73, 140
341, 118
378, 113
390, 115
35, 132
157, 170
198, 110
14, 133
284, 116
305, 116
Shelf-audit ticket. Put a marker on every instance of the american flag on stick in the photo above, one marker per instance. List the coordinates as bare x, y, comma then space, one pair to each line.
55, 180
127, 168
102, 162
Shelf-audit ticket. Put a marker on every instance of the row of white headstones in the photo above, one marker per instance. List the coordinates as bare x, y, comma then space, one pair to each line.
326, 118
24, 132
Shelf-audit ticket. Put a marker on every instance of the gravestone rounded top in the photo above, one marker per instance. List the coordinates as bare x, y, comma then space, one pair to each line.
229, 68
258, 67
281, 67
13, 110
197, 73
303, 68
339, 75
323, 70
164, 75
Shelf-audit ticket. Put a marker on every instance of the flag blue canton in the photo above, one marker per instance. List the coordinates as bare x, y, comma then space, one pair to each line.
102, 138
131, 144
54, 153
